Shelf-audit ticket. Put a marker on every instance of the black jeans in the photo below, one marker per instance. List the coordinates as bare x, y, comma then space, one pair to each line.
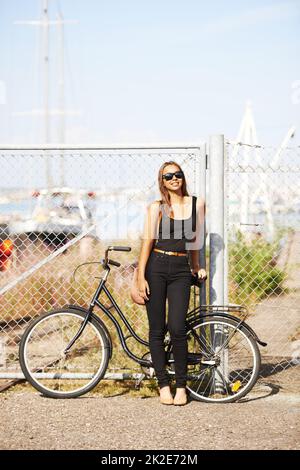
169, 277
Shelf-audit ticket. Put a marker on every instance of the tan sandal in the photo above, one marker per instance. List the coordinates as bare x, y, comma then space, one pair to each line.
180, 398
166, 397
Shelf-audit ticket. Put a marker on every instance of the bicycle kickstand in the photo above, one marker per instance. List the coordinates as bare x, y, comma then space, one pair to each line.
138, 380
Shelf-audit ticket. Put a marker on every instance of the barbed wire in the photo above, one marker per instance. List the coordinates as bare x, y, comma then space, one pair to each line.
257, 146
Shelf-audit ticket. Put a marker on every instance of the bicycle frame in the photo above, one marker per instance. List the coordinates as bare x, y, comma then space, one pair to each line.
96, 302
199, 313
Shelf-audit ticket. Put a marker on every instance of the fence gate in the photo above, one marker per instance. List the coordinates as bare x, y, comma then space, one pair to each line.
84, 199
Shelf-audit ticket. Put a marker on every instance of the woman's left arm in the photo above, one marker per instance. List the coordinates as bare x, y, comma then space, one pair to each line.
200, 236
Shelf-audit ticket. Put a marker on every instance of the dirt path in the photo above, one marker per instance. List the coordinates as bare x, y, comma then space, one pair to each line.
29, 421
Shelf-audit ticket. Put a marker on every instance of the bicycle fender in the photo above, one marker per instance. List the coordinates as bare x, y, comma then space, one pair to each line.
99, 321
236, 320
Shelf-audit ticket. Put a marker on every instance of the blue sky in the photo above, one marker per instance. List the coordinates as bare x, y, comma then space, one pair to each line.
155, 71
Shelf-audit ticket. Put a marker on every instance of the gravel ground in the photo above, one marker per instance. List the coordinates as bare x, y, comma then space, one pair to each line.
262, 421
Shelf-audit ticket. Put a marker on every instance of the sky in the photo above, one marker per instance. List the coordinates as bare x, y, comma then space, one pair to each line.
150, 72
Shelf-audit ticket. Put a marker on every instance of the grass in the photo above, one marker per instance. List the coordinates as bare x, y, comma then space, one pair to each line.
105, 389
253, 273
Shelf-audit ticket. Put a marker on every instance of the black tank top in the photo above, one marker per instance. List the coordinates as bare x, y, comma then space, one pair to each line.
174, 233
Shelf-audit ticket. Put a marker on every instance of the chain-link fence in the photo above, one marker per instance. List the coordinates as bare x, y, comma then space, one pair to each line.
48, 199
263, 233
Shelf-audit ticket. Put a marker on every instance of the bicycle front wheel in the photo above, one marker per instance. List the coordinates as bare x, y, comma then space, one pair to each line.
223, 360
49, 368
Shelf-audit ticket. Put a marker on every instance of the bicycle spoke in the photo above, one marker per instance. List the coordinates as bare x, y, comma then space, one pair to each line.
55, 371
224, 345
202, 344
203, 376
225, 384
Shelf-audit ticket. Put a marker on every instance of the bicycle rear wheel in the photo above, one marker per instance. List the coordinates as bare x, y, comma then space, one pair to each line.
52, 371
223, 360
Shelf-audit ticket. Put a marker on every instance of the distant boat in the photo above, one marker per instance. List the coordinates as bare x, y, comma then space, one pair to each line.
59, 215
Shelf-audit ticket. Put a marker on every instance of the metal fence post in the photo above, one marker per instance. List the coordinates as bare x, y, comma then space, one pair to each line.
202, 194
226, 225
217, 251
216, 219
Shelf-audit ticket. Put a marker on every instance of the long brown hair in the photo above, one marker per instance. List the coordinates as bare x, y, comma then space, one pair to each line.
165, 196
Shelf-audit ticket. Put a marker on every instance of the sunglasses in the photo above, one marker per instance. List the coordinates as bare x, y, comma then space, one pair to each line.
169, 176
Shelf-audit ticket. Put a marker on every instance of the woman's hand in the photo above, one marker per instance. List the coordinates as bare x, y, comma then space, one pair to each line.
143, 287
201, 273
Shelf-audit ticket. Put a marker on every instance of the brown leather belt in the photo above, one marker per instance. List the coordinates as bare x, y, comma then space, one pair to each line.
176, 253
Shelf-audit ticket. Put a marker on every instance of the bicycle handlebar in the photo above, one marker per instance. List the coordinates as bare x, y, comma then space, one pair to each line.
115, 263
107, 261
119, 248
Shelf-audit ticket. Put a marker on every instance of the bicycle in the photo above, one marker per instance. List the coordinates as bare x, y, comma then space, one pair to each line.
64, 353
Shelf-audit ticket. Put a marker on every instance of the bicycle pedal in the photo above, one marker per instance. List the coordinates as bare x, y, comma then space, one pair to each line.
138, 382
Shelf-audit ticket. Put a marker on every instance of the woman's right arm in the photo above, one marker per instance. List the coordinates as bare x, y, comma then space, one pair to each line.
148, 237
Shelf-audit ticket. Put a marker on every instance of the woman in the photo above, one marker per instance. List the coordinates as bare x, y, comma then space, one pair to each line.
166, 264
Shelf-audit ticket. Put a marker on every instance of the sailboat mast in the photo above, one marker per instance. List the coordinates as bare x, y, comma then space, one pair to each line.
45, 25
61, 92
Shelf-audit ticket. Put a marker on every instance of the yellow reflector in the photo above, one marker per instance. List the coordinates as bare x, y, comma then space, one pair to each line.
236, 385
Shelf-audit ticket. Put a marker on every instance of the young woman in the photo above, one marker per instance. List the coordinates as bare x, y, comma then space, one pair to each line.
169, 257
